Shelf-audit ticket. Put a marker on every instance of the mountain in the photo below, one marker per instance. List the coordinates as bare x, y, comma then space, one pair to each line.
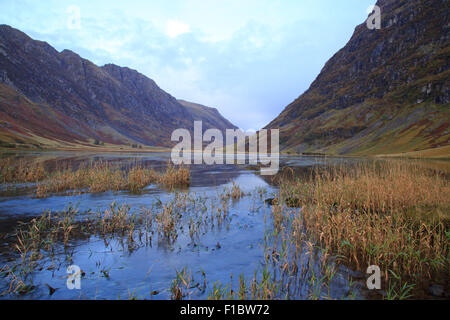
51, 98
210, 116
387, 91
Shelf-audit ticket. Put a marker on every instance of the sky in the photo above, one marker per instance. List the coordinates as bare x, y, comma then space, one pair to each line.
247, 58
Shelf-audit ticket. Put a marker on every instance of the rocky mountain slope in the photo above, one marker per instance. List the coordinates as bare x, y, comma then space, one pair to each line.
387, 91
210, 116
51, 98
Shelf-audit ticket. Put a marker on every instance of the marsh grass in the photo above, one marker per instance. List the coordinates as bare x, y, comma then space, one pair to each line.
233, 192
258, 288
167, 221
21, 171
393, 214
46, 237
96, 176
181, 286
43, 236
101, 176
175, 177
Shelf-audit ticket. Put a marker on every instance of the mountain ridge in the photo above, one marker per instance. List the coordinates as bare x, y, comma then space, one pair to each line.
81, 101
386, 91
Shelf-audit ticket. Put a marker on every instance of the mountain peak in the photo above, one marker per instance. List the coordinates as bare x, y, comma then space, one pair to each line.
67, 52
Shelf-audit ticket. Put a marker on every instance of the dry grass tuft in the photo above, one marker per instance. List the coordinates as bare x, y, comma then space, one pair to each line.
21, 171
175, 177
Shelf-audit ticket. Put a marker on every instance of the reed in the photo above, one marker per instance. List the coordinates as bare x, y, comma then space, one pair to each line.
21, 171
262, 287
102, 176
167, 221
234, 192
175, 177
181, 286
393, 214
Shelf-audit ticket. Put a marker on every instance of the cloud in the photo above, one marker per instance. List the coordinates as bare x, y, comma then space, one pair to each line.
176, 28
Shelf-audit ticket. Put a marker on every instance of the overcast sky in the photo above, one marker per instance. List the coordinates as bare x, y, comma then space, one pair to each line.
248, 58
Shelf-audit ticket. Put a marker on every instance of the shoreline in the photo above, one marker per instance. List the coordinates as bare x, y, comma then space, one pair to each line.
413, 155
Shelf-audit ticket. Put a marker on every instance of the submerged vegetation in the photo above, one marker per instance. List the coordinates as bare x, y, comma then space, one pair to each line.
44, 237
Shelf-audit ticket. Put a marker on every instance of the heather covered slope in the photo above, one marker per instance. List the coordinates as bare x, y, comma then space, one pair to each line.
49, 98
27, 124
386, 92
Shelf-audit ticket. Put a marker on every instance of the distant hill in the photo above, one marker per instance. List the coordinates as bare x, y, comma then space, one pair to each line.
386, 92
51, 98
210, 116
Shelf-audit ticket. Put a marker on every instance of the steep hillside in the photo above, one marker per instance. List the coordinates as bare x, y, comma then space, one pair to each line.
387, 91
49, 97
210, 116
